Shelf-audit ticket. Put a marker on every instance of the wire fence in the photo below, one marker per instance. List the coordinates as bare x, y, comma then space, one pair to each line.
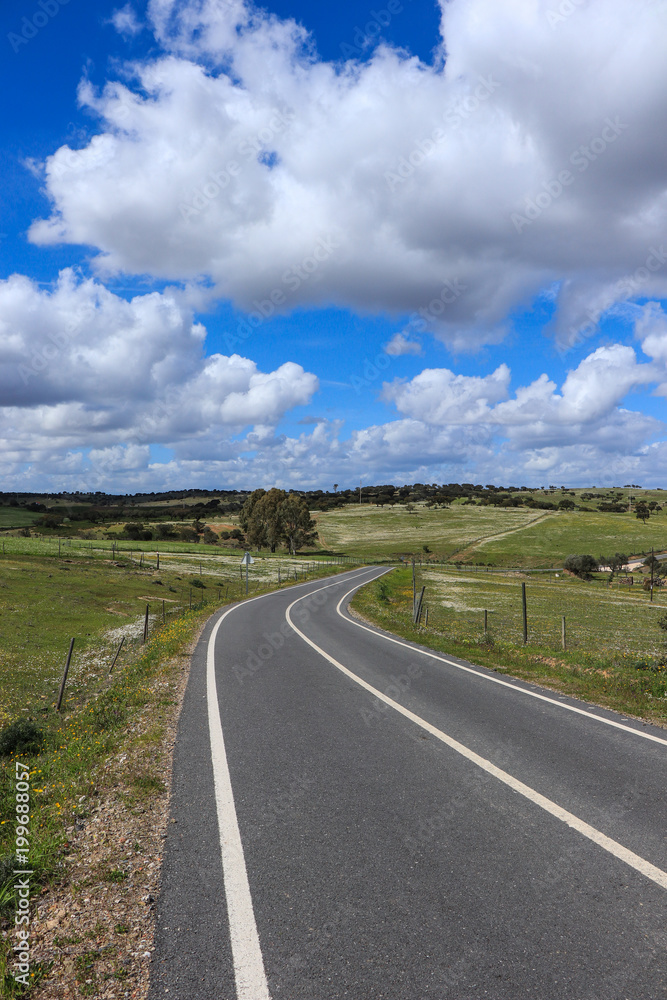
559, 613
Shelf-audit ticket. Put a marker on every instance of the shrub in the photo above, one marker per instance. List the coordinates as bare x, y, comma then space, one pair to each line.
21, 736
198, 583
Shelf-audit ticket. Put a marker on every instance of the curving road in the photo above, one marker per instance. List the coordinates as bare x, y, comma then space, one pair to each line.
356, 817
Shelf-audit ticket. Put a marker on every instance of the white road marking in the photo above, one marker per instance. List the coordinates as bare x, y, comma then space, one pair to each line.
249, 972
497, 680
622, 853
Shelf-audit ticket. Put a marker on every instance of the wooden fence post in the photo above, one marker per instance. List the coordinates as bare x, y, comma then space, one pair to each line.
64, 680
146, 624
418, 609
563, 634
120, 646
525, 613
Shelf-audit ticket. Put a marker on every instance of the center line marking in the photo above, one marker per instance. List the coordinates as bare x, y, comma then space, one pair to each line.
644, 867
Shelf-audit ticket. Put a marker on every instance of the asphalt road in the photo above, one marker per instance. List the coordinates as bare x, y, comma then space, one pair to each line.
405, 830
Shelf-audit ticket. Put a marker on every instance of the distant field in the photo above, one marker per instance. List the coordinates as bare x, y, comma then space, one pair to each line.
560, 535
377, 532
515, 537
13, 517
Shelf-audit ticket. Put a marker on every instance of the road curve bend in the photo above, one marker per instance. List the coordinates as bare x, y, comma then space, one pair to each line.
354, 816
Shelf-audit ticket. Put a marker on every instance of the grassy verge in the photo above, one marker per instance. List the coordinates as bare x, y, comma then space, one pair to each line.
612, 681
69, 773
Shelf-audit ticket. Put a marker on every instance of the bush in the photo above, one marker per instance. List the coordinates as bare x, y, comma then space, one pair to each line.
581, 566
21, 736
383, 590
197, 583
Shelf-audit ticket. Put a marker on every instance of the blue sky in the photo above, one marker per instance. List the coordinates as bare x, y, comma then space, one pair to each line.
301, 244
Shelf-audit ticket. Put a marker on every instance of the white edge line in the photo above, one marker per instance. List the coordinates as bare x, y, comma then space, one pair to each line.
496, 680
644, 867
249, 972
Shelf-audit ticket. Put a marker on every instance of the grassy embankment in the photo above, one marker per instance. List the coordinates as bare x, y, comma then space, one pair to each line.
602, 668
44, 601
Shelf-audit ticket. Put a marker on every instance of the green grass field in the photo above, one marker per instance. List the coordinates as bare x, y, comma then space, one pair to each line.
515, 537
578, 532
611, 621
46, 600
386, 532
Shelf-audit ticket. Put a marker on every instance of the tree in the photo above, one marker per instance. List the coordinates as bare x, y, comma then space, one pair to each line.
615, 562
653, 563
260, 518
581, 566
642, 512
297, 526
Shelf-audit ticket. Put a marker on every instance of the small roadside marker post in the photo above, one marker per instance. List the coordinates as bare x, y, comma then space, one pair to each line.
247, 559
563, 634
146, 624
486, 623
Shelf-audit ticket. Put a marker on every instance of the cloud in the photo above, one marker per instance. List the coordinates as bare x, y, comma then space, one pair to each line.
400, 345
125, 21
81, 367
232, 153
439, 397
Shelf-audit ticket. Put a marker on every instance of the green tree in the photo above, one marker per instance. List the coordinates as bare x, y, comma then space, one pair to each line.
642, 511
581, 566
275, 517
297, 526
